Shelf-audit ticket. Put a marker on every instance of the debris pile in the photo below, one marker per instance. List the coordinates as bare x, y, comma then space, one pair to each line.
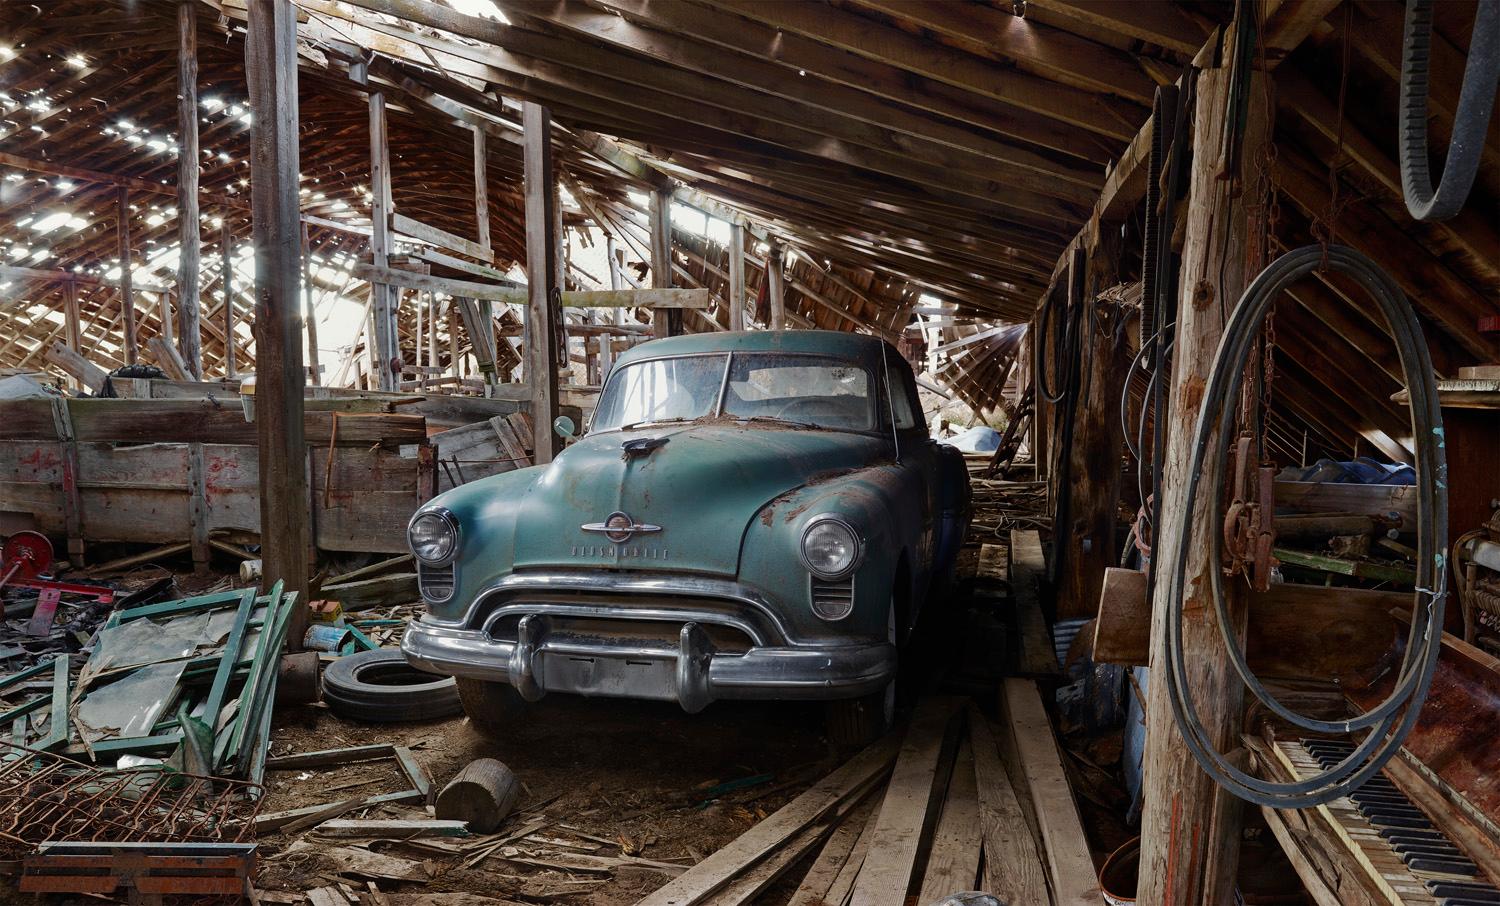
184, 684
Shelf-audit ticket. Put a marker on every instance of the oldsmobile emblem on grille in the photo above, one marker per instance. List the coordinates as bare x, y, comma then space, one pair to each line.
619, 527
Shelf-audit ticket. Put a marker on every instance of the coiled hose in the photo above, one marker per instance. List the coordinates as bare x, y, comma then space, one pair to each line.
1065, 332
1471, 120
1390, 721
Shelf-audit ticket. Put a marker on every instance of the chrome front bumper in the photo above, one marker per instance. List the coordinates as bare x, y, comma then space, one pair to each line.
692, 673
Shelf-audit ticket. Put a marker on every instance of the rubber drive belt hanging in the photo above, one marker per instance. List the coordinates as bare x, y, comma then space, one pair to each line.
1390, 721
1471, 121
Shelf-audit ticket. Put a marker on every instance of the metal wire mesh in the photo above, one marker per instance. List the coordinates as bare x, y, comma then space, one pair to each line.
46, 797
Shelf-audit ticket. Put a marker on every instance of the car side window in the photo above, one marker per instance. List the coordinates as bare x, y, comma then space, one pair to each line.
902, 411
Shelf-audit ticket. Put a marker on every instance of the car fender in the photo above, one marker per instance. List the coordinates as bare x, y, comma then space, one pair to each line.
882, 508
487, 511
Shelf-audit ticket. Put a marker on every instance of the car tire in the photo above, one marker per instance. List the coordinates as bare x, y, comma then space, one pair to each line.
380, 686
856, 722
492, 708
852, 722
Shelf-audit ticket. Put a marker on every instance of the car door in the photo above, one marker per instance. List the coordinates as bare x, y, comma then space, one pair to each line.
921, 468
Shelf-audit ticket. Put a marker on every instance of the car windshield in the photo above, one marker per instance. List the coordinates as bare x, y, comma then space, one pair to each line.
806, 390
659, 390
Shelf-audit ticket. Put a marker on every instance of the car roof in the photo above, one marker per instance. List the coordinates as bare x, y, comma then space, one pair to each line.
843, 344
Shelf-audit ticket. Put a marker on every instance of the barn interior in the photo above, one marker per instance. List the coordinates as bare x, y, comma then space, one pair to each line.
1171, 276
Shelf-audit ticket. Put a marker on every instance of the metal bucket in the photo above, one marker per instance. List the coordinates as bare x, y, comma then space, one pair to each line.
1121, 873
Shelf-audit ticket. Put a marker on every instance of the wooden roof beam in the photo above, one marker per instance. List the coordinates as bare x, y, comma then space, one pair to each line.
1155, 21
853, 33
911, 132
549, 67
871, 76
1051, 53
132, 183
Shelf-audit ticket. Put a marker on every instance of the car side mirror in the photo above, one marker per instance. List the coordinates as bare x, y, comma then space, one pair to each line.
564, 427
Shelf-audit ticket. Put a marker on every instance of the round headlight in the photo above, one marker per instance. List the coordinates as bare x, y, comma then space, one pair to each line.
830, 548
431, 537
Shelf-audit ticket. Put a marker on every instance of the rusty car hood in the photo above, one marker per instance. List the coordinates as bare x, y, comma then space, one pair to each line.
700, 485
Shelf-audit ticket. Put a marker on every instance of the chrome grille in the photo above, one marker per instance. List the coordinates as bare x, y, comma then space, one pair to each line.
833, 600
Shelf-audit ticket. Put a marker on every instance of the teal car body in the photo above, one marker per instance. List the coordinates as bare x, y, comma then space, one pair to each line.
705, 589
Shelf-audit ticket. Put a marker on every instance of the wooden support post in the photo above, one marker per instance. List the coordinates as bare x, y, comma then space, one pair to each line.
189, 261
386, 354
197, 508
1190, 829
62, 420
1041, 410
226, 250
417, 339
1063, 367
453, 316
71, 332
590, 353
543, 305
1088, 546
736, 276
481, 187
164, 318
616, 258
271, 73
310, 310
663, 323
127, 297
432, 319
776, 286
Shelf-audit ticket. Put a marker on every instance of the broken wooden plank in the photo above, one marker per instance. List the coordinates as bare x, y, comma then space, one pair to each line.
390, 828
400, 588
441, 238
953, 859
324, 813
76, 366
1308, 873
169, 359
1012, 867
1069, 863
638, 298
905, 811
1028, 567
764, 838
394, 276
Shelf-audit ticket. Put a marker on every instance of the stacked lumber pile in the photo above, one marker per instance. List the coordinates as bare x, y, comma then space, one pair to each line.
951, 804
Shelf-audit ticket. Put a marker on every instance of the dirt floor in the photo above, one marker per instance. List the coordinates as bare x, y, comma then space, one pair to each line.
630, 772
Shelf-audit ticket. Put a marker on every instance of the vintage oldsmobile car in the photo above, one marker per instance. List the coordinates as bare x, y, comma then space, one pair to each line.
755, 515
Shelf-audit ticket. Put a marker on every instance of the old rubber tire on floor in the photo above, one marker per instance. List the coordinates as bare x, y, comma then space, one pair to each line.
380, 686
491, 707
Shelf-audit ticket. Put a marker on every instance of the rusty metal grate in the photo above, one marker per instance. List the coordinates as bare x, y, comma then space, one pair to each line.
46, 797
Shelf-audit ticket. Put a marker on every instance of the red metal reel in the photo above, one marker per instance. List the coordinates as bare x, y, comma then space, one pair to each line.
30, 553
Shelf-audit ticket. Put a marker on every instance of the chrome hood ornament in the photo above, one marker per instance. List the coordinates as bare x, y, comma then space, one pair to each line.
619, 527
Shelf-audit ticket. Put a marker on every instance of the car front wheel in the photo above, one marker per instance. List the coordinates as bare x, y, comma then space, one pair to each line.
860, 721
491, 707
